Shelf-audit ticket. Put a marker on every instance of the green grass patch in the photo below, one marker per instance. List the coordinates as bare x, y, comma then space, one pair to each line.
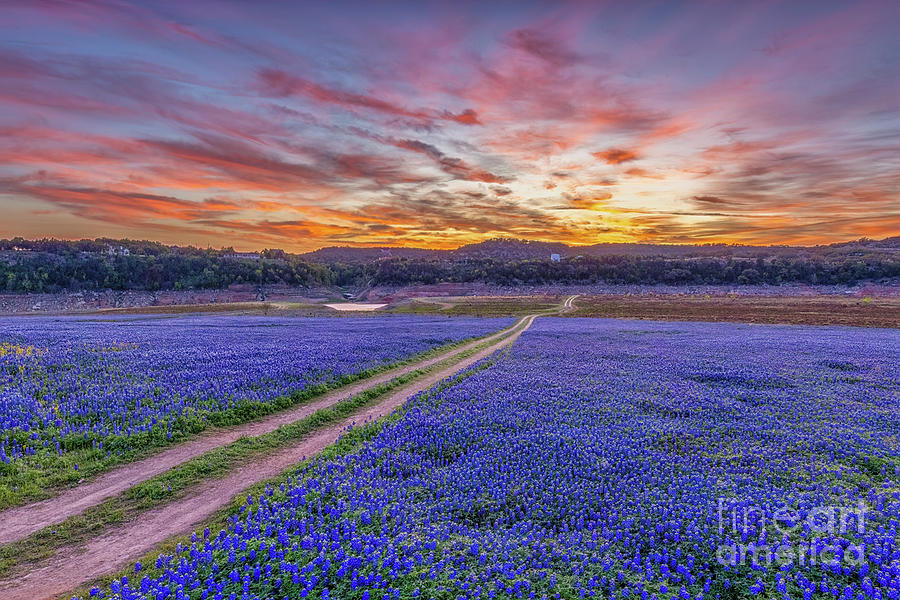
480, 307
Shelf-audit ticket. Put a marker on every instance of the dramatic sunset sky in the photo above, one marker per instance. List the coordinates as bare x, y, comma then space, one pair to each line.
303, 124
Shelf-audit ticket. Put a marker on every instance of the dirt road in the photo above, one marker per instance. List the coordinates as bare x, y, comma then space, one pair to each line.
117, 548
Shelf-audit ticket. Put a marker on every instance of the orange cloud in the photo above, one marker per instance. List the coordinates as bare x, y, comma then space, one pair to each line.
615, 156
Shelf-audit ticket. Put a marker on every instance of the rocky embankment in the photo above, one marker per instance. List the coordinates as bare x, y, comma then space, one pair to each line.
86, 301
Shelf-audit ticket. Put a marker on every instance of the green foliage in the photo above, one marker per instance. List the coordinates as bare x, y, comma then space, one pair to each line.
54, 265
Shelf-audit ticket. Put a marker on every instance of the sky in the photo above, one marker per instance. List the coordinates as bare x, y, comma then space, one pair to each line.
298, 125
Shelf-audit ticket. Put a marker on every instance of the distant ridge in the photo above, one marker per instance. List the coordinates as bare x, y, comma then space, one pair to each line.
496, 248
356, 254
515, 249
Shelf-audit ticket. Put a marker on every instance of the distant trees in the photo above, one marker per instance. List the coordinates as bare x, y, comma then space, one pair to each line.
638, 270
51, 268
53, 265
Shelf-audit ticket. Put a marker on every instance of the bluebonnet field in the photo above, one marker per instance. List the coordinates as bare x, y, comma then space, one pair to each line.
74, 383
590, 462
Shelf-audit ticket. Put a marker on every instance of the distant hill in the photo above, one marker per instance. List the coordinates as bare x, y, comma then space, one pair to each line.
514, 249
335, 254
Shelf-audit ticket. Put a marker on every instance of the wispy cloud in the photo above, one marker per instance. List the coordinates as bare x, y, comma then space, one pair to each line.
309, 125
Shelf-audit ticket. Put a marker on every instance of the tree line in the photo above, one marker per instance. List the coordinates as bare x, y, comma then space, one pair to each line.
644, 270
54, 266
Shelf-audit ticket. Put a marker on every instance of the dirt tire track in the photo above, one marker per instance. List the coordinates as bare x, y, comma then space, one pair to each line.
21, 521
118, 547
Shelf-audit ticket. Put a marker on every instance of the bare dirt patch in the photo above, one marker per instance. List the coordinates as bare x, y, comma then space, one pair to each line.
355, 307
815, 310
